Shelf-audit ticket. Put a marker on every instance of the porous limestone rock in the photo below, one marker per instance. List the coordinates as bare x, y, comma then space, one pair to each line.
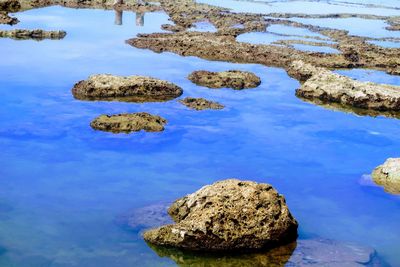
32, 34
130, 88
232, 79
388, 175
126, 123
228, 215
200, 103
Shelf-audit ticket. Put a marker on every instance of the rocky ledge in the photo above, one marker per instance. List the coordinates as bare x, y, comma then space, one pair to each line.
126, 123
322, 84
200, 103
32, 34
388, 175
6, 19
231, 79
131, 88
227, 215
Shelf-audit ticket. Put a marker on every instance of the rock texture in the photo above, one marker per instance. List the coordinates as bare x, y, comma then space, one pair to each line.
32, 34
131, 88
9, 5
327, 86
200, 103
311, 252
228, 215
388, 175
232, 79
126, 123
6, 19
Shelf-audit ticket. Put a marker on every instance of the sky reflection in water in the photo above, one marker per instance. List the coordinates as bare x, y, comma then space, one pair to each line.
62, 184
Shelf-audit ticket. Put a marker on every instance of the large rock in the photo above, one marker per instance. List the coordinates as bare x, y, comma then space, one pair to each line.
126, 123
6, 19
388, 175
131, 88
324, 85
228, 215
232, 79
200, 103
310, 252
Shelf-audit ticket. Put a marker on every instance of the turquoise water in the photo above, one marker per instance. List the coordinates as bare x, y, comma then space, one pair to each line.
62, 185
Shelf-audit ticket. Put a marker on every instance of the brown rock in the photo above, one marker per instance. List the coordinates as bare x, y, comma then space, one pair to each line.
6, 19
131, 88
228, 215
388, 175
126, 123
200, 103
233, 79
32, 34
9, 5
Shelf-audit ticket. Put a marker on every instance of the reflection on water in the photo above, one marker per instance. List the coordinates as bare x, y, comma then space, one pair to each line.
62, 184
139, 18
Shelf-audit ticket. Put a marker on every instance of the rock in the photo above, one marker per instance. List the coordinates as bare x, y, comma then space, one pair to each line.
311, 252
131, 88
228, 215
388, 175
9, 5
6, 19
200, 103
328, 87
233, 79
32, 34
126, 123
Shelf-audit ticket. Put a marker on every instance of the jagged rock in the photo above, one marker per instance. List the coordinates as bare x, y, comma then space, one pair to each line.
126, 123
131, 88
322, 84
6, 19
228, 215
310, 252
9, 5
388, 175
32, 34
233, 79
200, 103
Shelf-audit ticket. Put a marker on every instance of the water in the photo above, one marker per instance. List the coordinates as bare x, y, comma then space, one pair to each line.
62, 184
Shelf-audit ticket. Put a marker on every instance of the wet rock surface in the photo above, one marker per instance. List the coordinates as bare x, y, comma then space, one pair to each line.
388, 175
328, 87
129, 122
311, 252
6, 19
234, 79
200, 103
32, 34
131, 89
227, 215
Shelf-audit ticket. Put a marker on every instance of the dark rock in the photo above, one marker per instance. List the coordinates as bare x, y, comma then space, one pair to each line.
200, 103
232, 79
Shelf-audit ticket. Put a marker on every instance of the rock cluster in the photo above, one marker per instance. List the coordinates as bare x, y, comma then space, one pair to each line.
388, 175
234, 79
327, 86
126, 123
131, 88
200, 103
228, 215
32, 34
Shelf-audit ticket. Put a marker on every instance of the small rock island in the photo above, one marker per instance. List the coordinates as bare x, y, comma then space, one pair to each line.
234, 79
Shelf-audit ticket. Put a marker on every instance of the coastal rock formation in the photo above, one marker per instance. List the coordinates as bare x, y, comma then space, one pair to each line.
9, 5
234, 79
310, 252
126, 123
32, 34
131, 88
228, 215
200, 103
6, 19
388, 175
327, 86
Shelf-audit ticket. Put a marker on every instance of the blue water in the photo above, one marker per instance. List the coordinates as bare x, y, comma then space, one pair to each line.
62, 184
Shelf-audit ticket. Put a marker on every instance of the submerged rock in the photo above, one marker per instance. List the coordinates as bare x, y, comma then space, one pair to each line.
311, 252
232, 79
388, 175
228, 215
32, 34
322, 84
131, 88
200, 103
126, 123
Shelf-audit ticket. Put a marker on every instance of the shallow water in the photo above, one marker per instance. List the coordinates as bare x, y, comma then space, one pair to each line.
62, 184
